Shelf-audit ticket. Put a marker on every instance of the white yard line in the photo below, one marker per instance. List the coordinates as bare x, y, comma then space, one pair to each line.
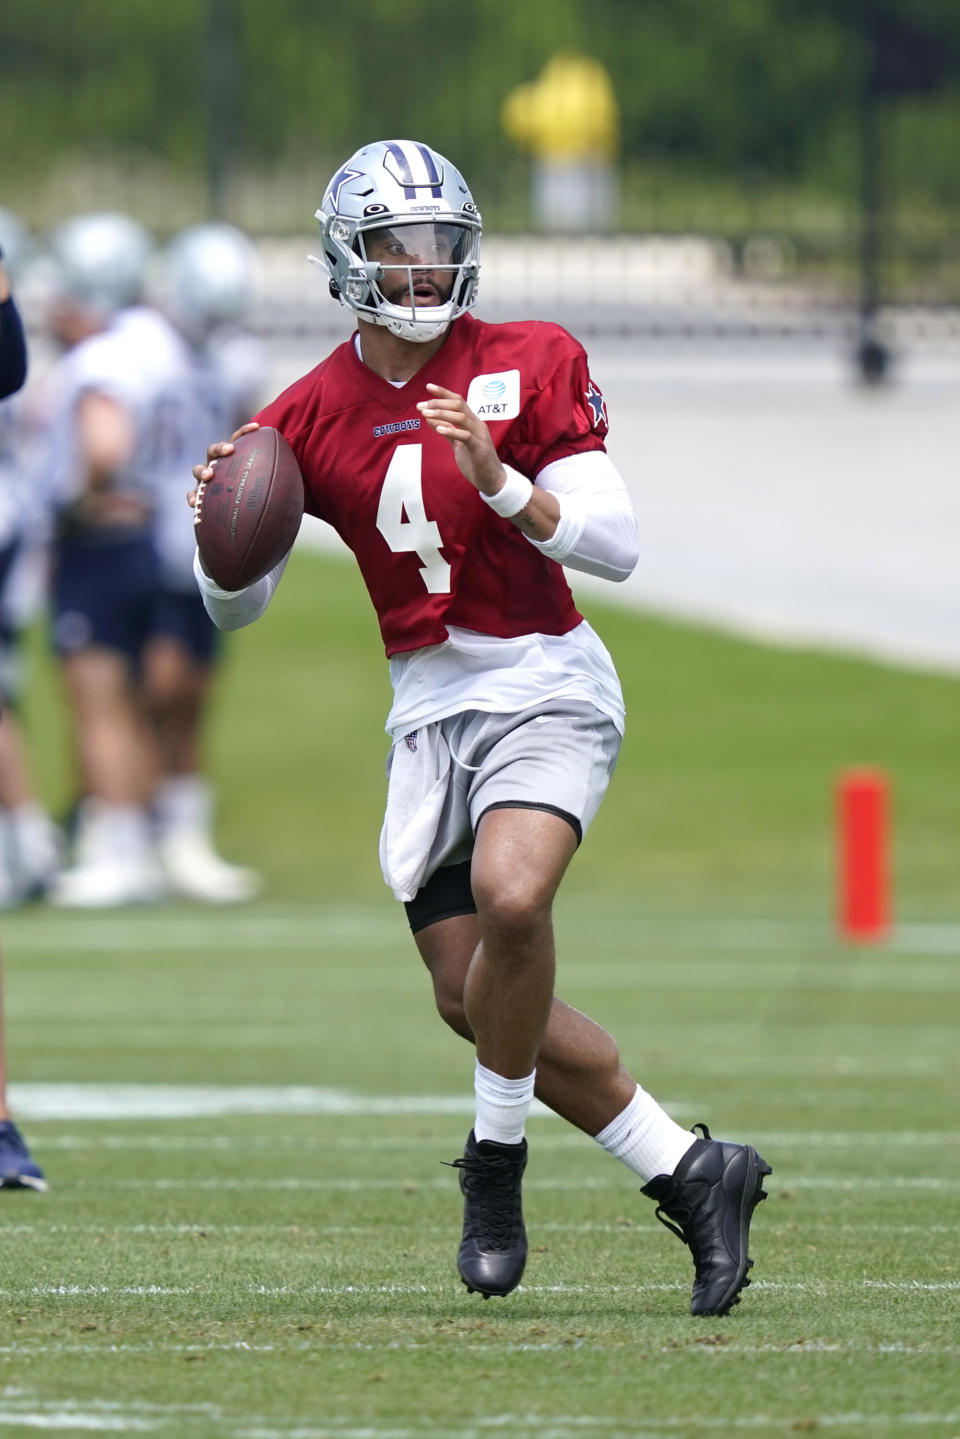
116, 1418
82, 1101
575, 1427
320, 928
798, 974
24, 1408
75, 1419
545, 1143
628, 1228
173, 1101
784, 1182
707, 1346
311, 1291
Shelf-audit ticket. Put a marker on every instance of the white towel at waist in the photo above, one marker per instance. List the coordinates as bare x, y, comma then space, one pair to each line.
419, 775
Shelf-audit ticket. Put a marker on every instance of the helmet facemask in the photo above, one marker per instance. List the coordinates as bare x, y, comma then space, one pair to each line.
386, 272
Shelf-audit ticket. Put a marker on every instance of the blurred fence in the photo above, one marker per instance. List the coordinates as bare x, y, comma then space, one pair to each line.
753, 167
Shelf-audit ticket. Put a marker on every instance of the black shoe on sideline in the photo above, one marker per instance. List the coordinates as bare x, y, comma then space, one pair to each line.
710, 1199
493, 1250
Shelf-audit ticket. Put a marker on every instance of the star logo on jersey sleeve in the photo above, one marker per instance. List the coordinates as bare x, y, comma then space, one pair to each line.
597, 405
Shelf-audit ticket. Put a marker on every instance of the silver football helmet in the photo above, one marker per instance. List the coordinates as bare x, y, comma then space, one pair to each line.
401, 238
14, 240
212, 278
100, 260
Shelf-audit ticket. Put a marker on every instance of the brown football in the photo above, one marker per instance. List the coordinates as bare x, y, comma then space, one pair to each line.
248, 513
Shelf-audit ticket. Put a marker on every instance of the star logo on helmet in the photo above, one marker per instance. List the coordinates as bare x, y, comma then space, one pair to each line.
597, 405
341, 178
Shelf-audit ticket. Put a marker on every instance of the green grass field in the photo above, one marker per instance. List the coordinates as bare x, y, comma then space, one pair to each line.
285, 1269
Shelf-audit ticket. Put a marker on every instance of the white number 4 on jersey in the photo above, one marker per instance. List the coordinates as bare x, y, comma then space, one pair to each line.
402, 519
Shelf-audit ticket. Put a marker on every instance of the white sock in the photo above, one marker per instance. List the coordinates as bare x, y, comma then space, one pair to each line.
184, 802
645, 1138
502, 1105
130, 832
36, 840
113, 833
7, 858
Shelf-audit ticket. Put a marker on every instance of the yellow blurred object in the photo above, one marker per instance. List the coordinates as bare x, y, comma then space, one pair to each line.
569, 113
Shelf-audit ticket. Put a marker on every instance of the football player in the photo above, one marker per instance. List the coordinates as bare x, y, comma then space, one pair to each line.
464, 465
29, 840
107, 431
18, 1169
13, 349
211, 278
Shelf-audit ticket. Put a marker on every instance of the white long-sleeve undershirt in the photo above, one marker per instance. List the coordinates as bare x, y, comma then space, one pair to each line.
597, 529
233, 609
596, 533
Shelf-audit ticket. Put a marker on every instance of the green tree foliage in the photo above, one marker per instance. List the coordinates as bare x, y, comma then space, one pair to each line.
712, 92
100, 74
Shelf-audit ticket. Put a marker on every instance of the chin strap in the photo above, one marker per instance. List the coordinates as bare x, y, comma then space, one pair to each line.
419, 334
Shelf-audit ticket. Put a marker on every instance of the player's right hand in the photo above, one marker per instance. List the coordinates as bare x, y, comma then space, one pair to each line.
215, 451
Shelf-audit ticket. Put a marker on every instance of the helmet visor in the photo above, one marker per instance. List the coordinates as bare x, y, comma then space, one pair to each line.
419, 262
426, 243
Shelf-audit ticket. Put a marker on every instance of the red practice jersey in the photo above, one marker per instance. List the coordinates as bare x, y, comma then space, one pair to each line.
431, 552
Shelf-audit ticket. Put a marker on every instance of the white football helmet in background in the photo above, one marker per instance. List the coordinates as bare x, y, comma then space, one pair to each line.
14, 241
396, 213
212, 278
100, 261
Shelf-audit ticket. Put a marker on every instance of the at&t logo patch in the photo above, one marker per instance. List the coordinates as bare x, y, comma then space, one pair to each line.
495, 397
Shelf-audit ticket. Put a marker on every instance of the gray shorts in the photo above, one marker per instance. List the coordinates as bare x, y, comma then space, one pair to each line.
558, 758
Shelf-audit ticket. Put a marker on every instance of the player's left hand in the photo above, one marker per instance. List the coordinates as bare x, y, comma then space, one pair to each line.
449, 414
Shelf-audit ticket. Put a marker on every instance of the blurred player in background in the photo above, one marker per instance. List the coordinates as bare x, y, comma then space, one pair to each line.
131, 399
13, 346
30, 844
210, 284
464, 464
17, 1168
106, 433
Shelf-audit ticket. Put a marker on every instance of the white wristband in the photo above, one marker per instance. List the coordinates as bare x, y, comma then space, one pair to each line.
512, 496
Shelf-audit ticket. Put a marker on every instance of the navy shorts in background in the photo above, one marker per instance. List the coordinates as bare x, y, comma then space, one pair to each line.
104, 593
181, 616
10, 666
107, 592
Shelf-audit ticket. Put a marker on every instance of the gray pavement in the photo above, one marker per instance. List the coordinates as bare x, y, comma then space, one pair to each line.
779, 499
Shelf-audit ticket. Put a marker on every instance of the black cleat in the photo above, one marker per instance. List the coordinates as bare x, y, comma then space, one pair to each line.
493, 1250
711, 1197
